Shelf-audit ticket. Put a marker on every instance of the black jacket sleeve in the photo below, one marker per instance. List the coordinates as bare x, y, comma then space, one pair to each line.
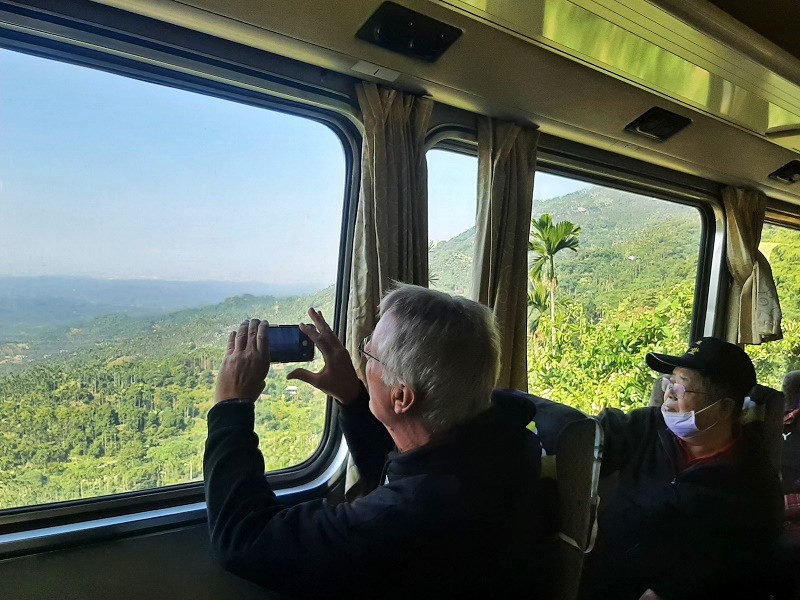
305, 549
367, 439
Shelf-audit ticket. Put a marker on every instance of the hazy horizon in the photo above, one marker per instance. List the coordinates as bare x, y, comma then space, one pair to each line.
108, 177
162, 280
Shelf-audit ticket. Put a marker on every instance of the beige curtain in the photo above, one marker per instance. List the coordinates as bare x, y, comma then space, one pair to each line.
754, 312
391, 234
506, 163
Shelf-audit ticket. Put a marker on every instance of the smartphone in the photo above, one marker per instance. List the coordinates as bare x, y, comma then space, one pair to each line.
288, 344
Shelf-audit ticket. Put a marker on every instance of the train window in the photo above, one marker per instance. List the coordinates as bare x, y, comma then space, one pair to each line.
140, 224
452, 203
612, 276
773, 360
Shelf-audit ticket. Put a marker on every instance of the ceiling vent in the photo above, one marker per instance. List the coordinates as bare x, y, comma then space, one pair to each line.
788, 173
658, 124
407, 32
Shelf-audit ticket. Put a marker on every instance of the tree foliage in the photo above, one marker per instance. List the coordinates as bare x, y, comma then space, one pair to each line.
538, 303
547, 239
129, 413
118, 402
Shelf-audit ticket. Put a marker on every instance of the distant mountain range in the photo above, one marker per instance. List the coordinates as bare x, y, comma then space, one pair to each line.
628, 245
31, 305
176, 333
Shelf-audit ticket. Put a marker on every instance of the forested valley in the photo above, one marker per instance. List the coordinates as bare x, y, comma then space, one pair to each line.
107, 403
119, 403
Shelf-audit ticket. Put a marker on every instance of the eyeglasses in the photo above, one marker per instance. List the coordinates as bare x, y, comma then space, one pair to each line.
678, 389
363, 353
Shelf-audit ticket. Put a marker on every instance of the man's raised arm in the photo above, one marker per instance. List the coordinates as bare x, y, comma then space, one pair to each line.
302, 548
367, 438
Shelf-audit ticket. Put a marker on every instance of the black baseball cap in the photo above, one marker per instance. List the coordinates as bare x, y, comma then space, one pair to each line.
722, 361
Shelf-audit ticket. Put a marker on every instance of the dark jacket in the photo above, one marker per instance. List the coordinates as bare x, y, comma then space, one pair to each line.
705, 530
457, 517
790, 453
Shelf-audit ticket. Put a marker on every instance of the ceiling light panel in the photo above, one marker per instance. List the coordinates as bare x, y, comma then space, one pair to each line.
649, 47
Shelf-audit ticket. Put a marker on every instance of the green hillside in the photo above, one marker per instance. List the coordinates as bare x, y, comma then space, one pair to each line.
117, 402
782, 248
627, 290
629, 246
32, 305
450, 264
156, 337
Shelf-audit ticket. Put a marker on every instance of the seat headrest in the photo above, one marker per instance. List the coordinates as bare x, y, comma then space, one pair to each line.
755, 404
791, 390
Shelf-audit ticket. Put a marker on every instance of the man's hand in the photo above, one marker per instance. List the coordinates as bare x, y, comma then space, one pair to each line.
246, 363
338, 377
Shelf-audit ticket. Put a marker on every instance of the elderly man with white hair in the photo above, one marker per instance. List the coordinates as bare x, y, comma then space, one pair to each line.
453, 502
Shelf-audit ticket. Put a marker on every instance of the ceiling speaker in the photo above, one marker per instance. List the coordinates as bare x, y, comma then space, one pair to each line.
658, 124
408, 32
788, 173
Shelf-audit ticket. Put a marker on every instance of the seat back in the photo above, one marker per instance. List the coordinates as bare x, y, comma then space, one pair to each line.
768, 409
576, 469
656, 394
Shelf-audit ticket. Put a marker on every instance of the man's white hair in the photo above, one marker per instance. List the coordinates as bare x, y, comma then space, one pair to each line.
446, 348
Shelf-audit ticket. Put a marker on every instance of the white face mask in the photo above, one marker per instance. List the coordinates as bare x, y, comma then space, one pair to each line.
683, 424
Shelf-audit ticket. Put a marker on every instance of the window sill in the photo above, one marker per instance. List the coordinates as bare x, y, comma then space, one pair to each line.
136, 523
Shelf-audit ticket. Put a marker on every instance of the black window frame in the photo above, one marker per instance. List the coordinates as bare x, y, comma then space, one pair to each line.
100, 37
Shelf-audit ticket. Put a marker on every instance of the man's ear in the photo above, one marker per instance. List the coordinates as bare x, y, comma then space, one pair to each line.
403, 398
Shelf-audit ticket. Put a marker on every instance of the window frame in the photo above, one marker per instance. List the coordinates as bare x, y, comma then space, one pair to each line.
781, 214
564, 158
449, 138
110, 39
92, 36
593, 166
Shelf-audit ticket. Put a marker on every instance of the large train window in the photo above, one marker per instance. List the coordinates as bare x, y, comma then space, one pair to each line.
141, 223
773, 360
612, 276
452, 203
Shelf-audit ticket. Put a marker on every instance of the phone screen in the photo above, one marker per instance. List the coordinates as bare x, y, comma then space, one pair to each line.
288, 344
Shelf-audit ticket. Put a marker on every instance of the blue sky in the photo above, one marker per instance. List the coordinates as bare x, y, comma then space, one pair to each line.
452, 192
107, 176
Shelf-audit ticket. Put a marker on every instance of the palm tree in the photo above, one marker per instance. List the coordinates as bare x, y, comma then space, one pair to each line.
547, 240
538, 297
